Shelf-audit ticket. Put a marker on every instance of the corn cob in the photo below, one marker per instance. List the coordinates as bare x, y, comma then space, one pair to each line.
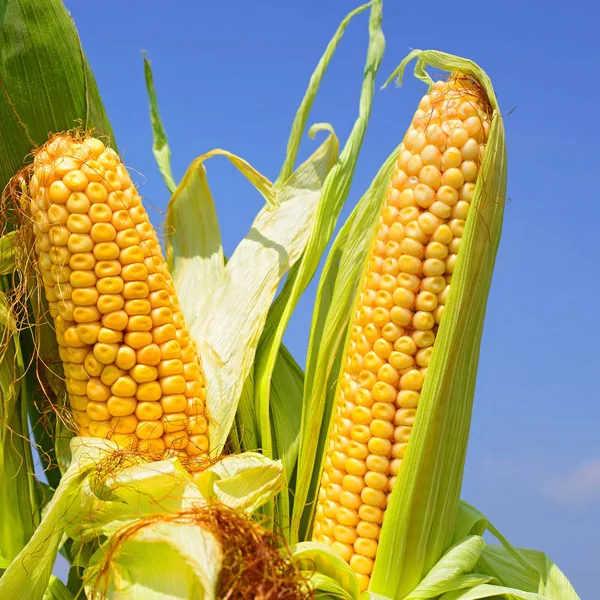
132, 372
400, 306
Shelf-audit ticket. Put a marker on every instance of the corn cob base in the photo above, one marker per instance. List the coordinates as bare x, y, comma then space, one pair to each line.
132, 371
401, 304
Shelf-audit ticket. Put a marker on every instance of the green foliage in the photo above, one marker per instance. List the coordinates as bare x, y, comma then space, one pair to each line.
258, 397
46, 84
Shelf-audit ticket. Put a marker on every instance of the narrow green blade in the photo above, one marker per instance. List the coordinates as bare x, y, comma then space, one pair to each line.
518, 568
301, 118
18, 491
8, 252
160, 147
286, 409
334, 194
487, 590
57, 590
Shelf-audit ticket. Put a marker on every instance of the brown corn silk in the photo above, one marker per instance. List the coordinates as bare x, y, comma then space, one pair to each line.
401, 302
255, 565
132, 371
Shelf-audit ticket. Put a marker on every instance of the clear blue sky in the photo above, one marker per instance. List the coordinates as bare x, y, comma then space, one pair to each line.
230, 74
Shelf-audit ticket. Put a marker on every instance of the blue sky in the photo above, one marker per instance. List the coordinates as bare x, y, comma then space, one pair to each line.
230, 74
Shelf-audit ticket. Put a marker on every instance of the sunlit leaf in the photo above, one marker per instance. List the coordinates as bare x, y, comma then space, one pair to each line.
335, 191
228, 324
19, 502
57, 590
162, 152
244, 481
312, 556
167, 561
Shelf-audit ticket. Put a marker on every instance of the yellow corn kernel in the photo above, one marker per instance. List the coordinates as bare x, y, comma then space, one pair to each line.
149, 392
174, 422
124, 386
126, 424
173, 403
125, 358
107, 268
116, 320
151, 354
154, 447
148, 411
137, 307
176, 441
110, 373
98, 411
144, 373
138, 339
147, 430
121, 407
109, 336
99, 429
198, 445
97, 391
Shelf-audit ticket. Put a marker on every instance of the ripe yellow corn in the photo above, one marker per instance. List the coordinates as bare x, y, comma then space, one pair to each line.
132, 372
401, 303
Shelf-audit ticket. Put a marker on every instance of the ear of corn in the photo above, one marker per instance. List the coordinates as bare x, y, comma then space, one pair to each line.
132, 372
422, 510
405, 288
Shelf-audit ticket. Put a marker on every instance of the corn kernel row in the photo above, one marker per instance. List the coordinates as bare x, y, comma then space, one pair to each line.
401, 304
132, 371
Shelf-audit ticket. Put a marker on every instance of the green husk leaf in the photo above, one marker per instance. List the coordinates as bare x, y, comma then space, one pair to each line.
19, 502
324, 587
160, 146
335, 191
335, 298
287, 384
8, 254
244, 481
556, 585
502, 564
154, 487
106, 489
470, 521
110, 500
301, 118
233, 316
193, 242
46, 83
487, 590
42, 420
315, 557
167, 561
421, 515
46, 378
526, 570
57, 590
32, 567
245, 418
452, 570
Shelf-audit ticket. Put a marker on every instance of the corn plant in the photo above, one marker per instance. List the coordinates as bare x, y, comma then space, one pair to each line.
186, 453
